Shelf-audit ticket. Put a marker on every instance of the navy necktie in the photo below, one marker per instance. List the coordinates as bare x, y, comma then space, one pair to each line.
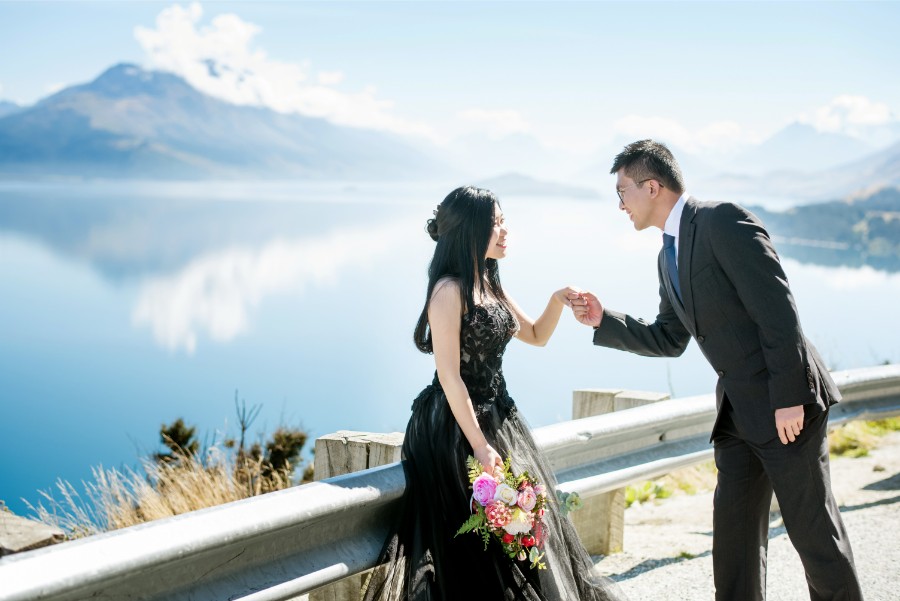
671, 265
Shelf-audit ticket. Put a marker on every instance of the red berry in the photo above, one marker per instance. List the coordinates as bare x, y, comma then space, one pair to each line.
508, 538
528, 541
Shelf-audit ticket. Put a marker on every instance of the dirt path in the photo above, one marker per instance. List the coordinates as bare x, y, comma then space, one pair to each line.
668, 543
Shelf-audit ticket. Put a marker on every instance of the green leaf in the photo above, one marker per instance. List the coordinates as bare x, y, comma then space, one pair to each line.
475, 468
475, 521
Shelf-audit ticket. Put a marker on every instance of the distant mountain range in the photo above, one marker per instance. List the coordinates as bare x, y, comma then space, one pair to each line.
854, 232
7, 108
875, 171
132, 123
797, 163
484, 156
801, 147
139, 124
517, 184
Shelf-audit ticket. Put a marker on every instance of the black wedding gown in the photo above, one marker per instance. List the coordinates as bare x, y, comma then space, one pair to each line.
424, 561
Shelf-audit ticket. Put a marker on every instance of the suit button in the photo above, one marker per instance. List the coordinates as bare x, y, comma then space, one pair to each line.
701, 338
721, 373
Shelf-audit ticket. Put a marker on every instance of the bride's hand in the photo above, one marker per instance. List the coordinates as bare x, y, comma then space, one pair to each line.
489, 459
565, 295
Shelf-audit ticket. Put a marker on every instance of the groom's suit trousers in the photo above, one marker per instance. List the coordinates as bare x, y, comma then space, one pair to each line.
799, 474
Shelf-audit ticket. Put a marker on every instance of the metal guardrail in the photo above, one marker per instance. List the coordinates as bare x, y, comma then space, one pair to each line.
283, 544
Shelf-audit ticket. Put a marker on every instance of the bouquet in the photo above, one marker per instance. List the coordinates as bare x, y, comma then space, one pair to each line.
509, 508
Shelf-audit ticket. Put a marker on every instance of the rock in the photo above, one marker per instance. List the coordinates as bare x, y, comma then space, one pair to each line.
18, 534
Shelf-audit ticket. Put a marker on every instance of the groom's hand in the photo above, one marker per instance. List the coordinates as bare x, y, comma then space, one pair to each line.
586, 308
789, 423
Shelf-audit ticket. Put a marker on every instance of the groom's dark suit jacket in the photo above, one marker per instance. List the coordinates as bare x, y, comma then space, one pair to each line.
737, 305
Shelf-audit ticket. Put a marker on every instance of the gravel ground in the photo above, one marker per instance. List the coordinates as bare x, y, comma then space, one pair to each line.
668, 544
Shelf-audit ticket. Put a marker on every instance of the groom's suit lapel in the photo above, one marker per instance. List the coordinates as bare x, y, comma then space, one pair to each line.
685, 255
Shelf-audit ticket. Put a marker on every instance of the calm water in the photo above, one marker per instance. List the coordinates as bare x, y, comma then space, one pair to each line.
123, 306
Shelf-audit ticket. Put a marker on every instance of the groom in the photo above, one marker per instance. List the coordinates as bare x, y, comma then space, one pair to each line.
720, 282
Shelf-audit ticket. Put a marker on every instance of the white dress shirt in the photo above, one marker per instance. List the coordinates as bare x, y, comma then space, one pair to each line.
673, 222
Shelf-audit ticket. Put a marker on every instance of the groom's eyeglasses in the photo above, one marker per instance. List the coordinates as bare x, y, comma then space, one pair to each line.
621, 191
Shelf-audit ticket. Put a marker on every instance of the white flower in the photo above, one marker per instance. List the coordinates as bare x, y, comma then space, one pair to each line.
520, 523
506, 493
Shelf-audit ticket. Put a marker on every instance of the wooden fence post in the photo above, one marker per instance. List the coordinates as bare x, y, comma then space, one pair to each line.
601, 521
342, 453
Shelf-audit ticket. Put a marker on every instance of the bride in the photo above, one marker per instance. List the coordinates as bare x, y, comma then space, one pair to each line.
466, 322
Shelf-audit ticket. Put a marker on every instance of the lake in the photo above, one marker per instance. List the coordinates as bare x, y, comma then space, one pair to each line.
125, 305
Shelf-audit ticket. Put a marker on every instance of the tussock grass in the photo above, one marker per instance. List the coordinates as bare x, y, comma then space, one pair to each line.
856, 439
116, 499
648, 490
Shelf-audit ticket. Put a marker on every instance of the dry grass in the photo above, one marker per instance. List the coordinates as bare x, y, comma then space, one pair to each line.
857, 438
116, 499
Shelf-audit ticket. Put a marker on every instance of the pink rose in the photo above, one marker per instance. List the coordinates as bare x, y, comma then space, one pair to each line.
540, 490
527, 499
483, 488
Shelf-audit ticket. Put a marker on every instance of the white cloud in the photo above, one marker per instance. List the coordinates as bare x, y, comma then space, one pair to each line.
719, 136
330, 78
856, 278
53, 88
851, 115
497, 123
222, 60
215, 294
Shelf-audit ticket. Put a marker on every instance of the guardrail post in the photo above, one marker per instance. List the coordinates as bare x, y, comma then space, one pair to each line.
342, 453
601, 521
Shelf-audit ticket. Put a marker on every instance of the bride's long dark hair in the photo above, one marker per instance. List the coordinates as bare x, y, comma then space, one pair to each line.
462, 227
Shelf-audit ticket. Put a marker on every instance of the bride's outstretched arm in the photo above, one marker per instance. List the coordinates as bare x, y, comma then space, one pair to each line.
444, 318
538, 331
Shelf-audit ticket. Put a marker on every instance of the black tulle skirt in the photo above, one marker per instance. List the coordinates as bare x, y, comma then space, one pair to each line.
423, 560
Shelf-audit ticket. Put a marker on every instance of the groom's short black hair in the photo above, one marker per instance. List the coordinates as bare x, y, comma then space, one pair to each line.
648, 159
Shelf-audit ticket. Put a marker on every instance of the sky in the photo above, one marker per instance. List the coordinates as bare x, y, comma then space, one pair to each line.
708, 77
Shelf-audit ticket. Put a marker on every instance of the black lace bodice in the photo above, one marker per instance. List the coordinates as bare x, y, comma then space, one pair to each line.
484, 333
